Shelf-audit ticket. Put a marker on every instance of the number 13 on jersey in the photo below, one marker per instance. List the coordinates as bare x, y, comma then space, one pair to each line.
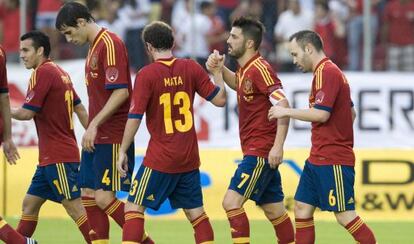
182, 101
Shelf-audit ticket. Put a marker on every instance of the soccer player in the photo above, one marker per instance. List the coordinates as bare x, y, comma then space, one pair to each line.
327, 181
108, 82
50, 102
165, 91
257, 176
7, 233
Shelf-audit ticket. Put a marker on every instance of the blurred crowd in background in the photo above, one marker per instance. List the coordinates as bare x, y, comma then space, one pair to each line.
203, 25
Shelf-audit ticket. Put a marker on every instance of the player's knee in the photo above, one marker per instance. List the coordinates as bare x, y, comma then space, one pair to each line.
228, 204
30, 207
301, 211
86, 192
103, 199
74, 208
343, 218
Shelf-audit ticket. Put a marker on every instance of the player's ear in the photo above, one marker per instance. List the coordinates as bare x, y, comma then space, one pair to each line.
81, 22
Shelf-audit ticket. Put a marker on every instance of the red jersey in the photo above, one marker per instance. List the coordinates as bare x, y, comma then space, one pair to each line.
332, 141
165, 91
107, 69
3, 84
255, 82
52, 97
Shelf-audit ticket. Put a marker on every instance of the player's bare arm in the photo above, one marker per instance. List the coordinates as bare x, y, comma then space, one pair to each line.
82, 114
354, 115
310, 115
9, 148
276, 152
220, 99
22, 114
131, 129
117, 98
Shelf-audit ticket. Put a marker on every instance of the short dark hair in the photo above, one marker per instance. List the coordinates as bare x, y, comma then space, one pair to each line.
251, 28
159, 35
306, 36
70, 13
39, 39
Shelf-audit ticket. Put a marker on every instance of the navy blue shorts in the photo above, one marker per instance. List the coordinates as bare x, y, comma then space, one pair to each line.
329, 187
151, 188
98, 169
56, 182
255, 180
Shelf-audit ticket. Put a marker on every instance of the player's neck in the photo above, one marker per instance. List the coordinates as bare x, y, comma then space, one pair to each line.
249, 54
93, 30
162, 55
40, 62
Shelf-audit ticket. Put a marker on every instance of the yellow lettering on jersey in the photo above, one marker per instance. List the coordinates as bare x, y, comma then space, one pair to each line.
173, 81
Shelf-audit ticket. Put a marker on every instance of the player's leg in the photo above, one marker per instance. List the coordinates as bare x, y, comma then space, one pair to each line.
344, 207
37, 194
97, 218
243, 186
271, 202
63, 180
188, 196
30, 214
306, 200
149, 189
109, 181
203, 231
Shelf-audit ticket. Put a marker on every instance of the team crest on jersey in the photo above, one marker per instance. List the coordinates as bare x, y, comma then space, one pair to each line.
30, 96
112, 74
319, 97
247, 86
93, 64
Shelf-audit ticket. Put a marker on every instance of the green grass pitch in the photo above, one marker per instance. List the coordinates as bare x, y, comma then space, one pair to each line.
52, 231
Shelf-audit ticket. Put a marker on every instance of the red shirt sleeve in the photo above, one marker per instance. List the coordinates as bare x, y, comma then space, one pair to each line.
204, 86
115, 65
39, 86
76, 99
140, 96
327, 89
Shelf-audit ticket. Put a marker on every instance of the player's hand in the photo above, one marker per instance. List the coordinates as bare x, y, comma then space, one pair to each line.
10, 151
88, 139
122, 164
276, 112
275, 156
215, 62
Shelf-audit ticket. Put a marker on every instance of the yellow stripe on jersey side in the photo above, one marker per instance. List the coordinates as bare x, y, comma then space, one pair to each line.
63, 180
339, 188
142, 186
32, 82
110, 50
256, 174
267, 77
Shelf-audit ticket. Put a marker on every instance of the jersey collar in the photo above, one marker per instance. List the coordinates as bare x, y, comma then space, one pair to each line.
166, 61
320, 63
